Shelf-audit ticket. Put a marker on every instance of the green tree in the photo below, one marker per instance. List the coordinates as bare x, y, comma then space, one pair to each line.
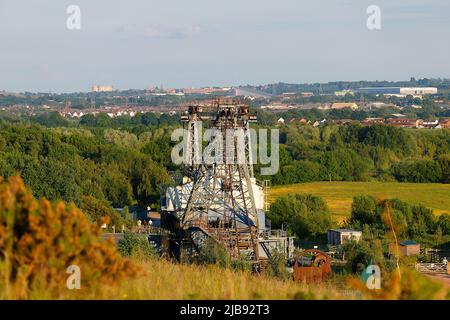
420, 171
364, 211
52, 119
305, 215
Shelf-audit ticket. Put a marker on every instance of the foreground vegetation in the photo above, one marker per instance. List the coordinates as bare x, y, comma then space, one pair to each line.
39, 240
168, 281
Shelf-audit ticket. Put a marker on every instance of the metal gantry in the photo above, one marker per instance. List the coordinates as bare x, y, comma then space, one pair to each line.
221, 204
218, 198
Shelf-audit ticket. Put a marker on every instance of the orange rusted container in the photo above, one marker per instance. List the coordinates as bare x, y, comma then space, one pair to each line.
312, 266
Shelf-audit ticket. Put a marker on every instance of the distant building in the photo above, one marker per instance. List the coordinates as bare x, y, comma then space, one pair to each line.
277, 107
398, 115
399, 91
337, 237
378, 105
343, 93
324, 106
444, 123
281, 120
343, 121
205, 91
404, 122
405, 248
429, 124
370, 121
102, 88
344, 105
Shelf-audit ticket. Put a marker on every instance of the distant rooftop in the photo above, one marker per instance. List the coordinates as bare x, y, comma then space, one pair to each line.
408, 243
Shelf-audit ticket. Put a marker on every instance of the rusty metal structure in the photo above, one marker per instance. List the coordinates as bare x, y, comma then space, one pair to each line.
218, 197
311, 266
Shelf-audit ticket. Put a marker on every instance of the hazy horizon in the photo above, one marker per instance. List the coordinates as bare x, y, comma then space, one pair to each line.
137, 43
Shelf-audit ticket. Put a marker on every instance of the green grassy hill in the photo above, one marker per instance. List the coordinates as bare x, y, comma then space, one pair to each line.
339, 195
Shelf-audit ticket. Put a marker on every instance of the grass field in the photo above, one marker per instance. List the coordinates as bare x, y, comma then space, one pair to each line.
168, 281
339, 195
164, 280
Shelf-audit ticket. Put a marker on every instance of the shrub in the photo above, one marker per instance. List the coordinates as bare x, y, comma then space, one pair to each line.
361, 254
40, 240
136, 246
215, 254
277, 265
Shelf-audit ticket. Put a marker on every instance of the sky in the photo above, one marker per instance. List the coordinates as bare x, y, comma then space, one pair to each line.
194, 43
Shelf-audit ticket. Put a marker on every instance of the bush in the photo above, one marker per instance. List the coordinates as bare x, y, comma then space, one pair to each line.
215, 254
360, 255
40, 240
136, 246
277, 265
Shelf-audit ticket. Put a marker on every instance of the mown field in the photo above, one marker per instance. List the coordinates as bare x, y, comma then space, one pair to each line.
339, 195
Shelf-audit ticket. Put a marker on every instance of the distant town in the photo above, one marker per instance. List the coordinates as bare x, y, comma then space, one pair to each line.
423, 103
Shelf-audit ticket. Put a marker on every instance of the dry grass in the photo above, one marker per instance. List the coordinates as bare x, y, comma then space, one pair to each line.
339, 195
177, 282
168, 281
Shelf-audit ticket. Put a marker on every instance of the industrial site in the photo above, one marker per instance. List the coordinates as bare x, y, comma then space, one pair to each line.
224, 160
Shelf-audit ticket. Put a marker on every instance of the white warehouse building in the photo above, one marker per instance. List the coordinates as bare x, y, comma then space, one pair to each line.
401, 91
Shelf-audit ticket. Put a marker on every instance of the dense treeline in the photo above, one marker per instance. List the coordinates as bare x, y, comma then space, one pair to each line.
379, 219
308, 217
103, 162
361, 153
101, 120
96, 168
414, 222
86, 100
